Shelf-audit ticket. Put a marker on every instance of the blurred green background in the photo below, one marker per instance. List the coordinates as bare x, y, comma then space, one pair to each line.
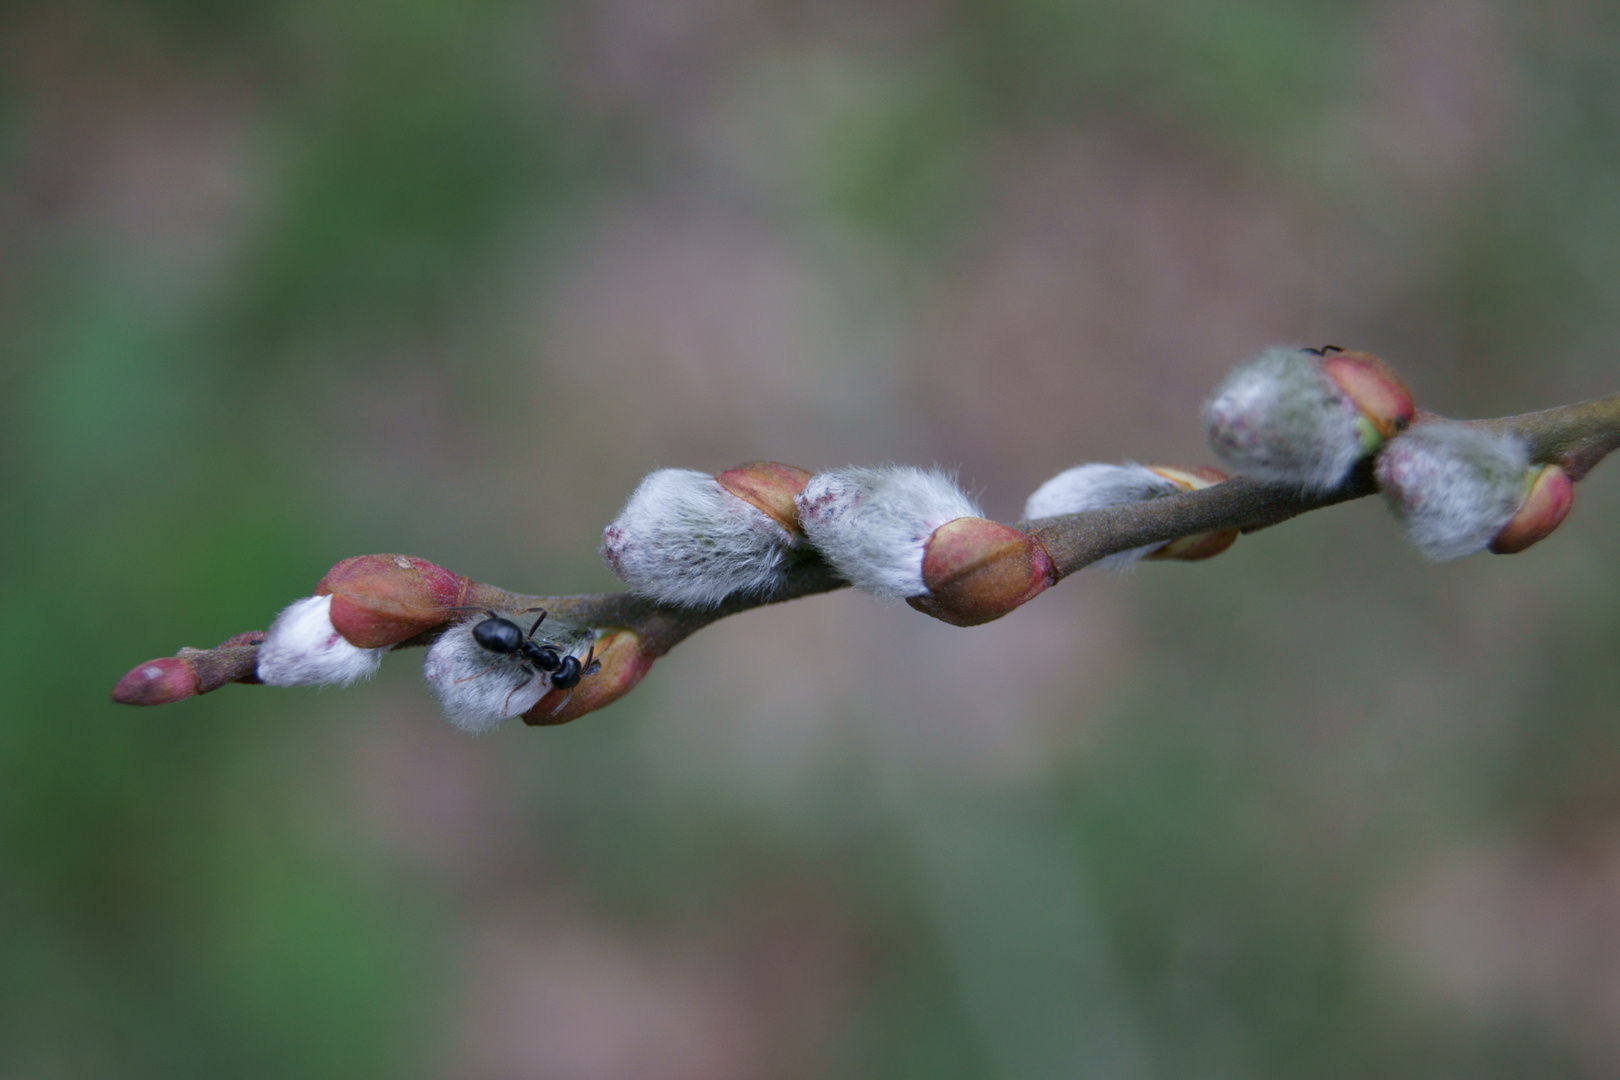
283, 282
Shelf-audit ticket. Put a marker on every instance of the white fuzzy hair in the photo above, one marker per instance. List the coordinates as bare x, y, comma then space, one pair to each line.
684, 539
478, 689
1097, 487
1453, 486
873, 525
1280, 419
303, 648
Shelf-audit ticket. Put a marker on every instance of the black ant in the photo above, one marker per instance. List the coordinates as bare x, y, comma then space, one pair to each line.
502, 636
1324, 350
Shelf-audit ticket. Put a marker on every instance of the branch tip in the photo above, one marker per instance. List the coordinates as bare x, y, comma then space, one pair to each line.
157, 682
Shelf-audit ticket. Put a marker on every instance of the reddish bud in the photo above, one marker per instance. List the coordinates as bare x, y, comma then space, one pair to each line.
1300, 418
1454, 486
1551, 495
1197, 547
1375, 389
623, 666
771, 486
158, 682
381, 600
977, 570
1200, 545
685, 538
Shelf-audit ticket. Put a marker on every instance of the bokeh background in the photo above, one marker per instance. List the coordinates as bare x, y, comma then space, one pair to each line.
284, 281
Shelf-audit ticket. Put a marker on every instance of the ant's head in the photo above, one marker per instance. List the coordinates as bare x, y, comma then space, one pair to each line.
571, 670
568, 673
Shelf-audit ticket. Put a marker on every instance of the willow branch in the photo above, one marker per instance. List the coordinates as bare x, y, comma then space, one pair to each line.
1575, 437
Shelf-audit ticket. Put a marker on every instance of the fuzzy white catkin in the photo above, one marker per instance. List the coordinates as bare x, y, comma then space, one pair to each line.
873, 525
303, 648
478, 689
1280, 419
1453, 486
1097, 487
684, 539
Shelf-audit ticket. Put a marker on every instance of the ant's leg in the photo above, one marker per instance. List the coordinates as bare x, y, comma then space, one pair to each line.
563, 702
528, 677
592, 664
538, 621
480, 675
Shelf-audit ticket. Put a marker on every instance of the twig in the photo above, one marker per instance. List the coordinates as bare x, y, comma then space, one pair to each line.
1575, 437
